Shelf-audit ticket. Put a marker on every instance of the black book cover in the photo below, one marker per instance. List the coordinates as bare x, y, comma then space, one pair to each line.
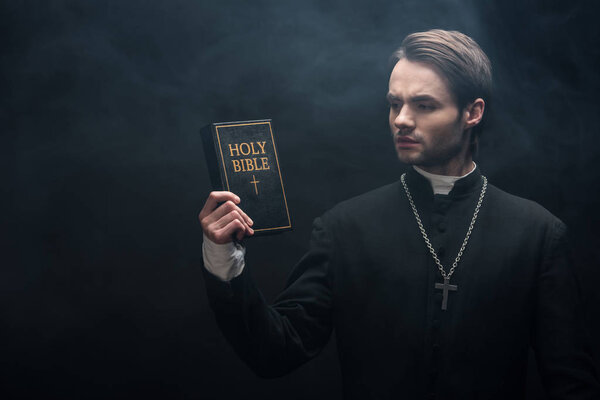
242, 158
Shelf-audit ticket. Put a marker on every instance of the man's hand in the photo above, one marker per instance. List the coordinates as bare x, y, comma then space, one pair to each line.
222, 223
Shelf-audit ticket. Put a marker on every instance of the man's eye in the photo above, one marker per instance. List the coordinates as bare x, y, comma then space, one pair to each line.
394, 106
425, 107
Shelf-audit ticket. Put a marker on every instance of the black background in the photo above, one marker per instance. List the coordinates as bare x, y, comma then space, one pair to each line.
103, 173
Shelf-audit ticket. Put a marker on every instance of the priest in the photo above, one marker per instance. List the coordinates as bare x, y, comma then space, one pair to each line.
437, 285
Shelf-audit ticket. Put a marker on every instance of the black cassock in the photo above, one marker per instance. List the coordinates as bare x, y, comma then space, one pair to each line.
370, 279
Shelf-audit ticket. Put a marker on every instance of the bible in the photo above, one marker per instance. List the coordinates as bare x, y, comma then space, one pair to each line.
242, 158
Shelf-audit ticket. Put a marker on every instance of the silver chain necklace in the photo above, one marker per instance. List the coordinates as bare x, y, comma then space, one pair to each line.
446, 285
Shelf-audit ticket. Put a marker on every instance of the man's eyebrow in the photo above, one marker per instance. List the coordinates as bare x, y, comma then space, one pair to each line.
419, 97
423, 97
391, 97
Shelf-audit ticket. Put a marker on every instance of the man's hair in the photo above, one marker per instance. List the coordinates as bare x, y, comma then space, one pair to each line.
459, 59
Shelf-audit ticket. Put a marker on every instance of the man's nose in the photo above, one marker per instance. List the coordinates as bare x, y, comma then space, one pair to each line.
404, 120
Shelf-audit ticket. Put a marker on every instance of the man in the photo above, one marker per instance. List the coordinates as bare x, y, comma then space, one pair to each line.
435, 285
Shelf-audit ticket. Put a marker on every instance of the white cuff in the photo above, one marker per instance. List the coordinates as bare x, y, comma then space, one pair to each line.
225, 261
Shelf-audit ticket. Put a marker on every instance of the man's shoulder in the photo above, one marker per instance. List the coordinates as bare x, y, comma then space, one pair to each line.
381, 198
522, 209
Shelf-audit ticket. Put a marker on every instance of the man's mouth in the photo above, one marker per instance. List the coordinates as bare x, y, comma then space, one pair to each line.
406, 142
405, 139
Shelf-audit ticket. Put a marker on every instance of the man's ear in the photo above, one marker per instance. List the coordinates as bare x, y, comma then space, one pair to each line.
473, 113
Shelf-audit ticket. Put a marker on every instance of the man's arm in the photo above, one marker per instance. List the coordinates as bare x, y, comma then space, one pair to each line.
275, 339
559, 337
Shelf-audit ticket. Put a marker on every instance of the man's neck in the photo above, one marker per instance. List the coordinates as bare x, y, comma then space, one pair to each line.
442, 184
455, 168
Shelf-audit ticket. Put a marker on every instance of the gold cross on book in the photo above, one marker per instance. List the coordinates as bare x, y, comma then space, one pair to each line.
254, 181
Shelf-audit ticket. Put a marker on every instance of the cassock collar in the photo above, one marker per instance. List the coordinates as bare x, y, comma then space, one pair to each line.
462, 187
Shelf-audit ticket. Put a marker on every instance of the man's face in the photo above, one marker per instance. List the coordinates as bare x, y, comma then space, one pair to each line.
427, 126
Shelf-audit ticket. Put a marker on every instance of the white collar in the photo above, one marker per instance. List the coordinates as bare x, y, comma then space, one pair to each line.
442, 184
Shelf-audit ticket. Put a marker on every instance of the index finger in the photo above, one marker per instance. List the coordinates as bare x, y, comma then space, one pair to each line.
216, 197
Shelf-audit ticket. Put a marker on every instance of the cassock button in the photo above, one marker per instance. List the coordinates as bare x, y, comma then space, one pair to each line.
443, 206
436, 324
441, 251
442, 227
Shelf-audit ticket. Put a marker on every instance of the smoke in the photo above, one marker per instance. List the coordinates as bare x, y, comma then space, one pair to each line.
103, 170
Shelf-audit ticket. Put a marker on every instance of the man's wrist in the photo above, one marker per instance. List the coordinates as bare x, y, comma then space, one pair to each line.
225, 261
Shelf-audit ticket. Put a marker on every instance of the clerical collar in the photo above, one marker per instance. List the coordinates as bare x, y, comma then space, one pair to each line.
442, 184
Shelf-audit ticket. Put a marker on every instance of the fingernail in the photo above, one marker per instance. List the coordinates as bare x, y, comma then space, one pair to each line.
237, 199
251, 222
